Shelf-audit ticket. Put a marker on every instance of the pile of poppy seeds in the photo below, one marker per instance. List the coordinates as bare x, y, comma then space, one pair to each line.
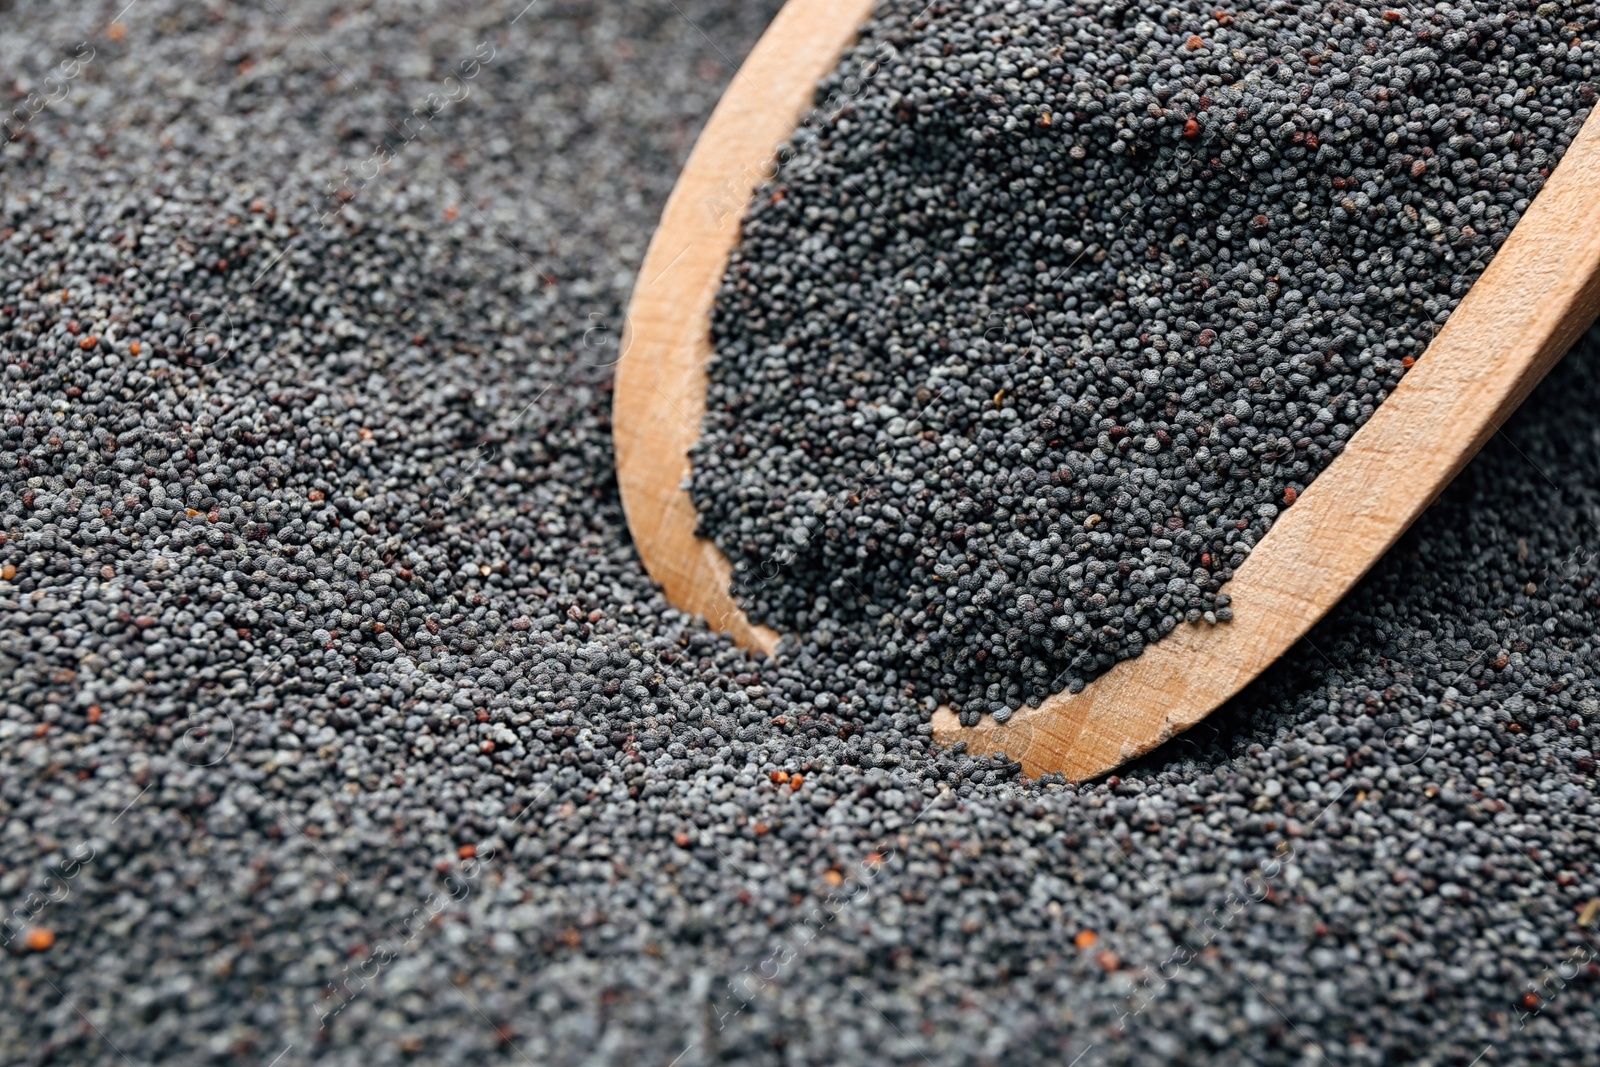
1055, 307
340, 724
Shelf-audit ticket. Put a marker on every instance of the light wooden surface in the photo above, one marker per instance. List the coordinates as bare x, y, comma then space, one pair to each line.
660, 391
1536, 298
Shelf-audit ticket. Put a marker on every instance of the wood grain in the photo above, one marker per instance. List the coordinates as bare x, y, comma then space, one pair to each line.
1536, 298
661, 379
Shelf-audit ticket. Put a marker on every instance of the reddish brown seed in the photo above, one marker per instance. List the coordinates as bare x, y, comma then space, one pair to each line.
1290, 494
1194, 43
39, 939
1085, 938
1191, 129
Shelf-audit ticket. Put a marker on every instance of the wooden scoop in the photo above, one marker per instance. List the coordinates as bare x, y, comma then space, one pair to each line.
1538, 295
